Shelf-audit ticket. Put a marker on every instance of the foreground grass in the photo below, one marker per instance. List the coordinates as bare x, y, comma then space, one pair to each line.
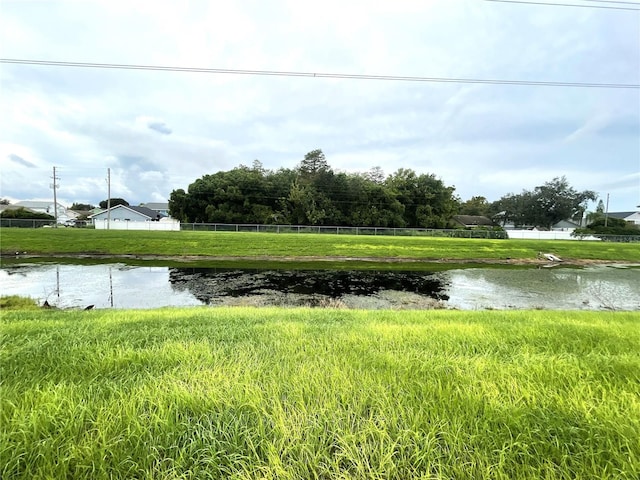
272, 393
311, 246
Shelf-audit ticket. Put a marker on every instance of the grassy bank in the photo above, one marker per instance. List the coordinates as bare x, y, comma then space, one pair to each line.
309, 246
269, 393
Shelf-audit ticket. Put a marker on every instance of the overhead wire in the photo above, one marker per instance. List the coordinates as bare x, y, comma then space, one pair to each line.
610, 1
567, 5
345, 76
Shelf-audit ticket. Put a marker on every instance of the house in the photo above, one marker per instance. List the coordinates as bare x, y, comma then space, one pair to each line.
124, 217
472, 221
632, 217
46, 206
565, 226
4, 208
159, 207
123, 213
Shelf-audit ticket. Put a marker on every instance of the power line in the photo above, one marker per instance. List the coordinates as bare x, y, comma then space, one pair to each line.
345, 76
610, 1
567, 5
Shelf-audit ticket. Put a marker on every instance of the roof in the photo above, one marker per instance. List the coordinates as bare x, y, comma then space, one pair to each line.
144, 211
621, 215
14, 207
147, 212
35, 203
473, 220
156, 205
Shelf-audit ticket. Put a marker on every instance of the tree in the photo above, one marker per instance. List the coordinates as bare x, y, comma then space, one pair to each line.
314, 162
545, 206
82, 207
427, 201
475, 206
4, 201
313, 194
114, 201
557, 200
593, 217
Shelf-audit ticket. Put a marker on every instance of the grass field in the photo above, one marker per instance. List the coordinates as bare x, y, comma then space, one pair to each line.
310, 246
289, 394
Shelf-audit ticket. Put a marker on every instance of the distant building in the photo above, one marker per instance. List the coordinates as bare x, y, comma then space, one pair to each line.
159, 207
631, 217
45, 206
122, 217
472, 221
123, 213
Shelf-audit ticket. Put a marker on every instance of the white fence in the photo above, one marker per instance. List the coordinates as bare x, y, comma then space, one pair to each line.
163, 226
545, 235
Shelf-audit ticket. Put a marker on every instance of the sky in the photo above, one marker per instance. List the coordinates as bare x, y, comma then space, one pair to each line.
157, 131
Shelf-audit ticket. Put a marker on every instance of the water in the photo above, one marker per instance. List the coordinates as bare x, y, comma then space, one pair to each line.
122, 286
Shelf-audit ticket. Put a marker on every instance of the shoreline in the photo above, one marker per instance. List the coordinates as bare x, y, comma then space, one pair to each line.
572, 262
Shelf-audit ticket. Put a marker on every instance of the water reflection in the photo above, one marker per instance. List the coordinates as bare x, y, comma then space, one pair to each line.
208, 285
122, 286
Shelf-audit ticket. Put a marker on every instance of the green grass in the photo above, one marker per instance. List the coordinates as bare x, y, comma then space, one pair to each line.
288, 394
16, 302
301, 246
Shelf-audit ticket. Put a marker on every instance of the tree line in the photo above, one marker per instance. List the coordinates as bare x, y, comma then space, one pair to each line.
312, 193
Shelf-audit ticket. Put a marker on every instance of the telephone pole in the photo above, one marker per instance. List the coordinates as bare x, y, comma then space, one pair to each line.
54, 185
108, 198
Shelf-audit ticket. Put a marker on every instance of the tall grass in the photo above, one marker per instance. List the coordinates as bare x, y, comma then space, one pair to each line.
270, 393
307, 246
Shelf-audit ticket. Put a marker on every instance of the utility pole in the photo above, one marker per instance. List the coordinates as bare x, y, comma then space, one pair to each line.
108, 198
54, 185
606, 212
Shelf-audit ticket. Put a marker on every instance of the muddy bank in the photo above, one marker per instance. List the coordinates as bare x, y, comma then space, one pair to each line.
193, 259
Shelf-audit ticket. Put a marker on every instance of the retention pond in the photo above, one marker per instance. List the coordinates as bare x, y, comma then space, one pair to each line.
123, 286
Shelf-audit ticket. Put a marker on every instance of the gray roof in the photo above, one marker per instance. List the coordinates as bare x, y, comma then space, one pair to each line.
147, 212
156, 205
622, 215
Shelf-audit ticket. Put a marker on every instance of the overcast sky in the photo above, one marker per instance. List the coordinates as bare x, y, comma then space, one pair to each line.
160, 131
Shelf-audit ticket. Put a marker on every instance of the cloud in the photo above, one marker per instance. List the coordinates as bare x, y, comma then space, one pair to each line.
160, 127
484, 139
21, 161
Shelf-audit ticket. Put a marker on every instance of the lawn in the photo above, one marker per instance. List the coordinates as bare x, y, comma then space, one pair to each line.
274, 246
275, 393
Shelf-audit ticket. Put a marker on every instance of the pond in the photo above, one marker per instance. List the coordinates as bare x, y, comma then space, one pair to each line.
123, 286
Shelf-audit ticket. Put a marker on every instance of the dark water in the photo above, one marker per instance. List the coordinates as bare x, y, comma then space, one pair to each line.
122, 286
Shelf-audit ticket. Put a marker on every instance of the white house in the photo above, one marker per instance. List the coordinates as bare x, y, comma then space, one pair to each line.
632, 217
159, 207
124, 217
46, 206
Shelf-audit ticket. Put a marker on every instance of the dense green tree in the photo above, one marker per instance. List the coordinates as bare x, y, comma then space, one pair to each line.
314, 194
114, 202
82, 207
476, 206
545, 206
314, 162
557, 200
427, 201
